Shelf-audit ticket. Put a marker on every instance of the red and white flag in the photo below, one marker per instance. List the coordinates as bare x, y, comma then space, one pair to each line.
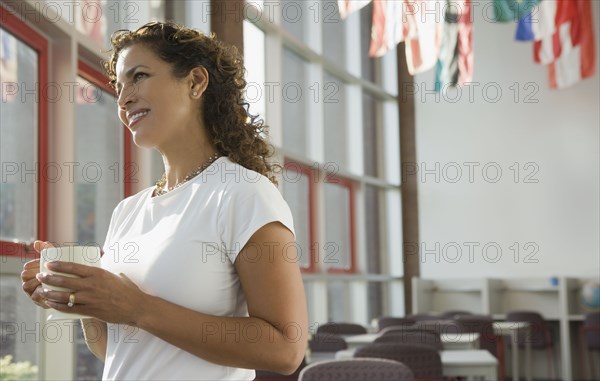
424, 20
577, 60
388, 29
555, 29
348, 6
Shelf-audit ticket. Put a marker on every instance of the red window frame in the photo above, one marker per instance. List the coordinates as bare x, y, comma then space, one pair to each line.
92, 75
290, 165
37, 42
332, 179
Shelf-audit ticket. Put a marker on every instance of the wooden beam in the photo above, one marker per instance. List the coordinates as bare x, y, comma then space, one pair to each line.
227, 21
409, 189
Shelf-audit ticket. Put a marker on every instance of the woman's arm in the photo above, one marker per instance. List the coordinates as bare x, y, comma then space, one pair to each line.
94, 332
272, 338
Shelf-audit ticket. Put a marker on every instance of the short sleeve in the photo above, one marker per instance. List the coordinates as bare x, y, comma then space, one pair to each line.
246, 208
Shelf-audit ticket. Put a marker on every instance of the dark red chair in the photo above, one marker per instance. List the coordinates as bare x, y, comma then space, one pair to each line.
391, 321
412, 337
590, 342
540, 335
358, 369
424, 361
342, 329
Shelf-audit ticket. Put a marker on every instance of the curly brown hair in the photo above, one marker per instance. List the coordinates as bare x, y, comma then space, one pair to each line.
234, 132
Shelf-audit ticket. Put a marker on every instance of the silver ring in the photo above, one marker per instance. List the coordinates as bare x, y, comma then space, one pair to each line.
71, 300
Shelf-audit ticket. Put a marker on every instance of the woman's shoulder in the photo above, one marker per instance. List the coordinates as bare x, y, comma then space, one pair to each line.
239, 179
133, 200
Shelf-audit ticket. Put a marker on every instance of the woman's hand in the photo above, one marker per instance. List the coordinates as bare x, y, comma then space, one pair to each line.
31, 285
96, 293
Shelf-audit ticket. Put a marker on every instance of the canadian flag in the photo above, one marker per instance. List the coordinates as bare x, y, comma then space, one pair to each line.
564, 40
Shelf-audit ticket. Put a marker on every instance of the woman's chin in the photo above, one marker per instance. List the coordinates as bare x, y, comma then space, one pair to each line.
141, 140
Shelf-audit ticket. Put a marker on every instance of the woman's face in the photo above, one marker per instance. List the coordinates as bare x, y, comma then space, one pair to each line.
156, 107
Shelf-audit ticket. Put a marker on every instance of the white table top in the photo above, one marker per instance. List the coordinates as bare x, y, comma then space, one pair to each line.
471, 356
446, 338
506, 326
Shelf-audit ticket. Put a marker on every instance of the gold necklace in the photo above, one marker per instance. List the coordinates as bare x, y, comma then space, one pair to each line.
159, 188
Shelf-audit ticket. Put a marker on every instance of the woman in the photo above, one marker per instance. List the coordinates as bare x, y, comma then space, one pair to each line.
196, 279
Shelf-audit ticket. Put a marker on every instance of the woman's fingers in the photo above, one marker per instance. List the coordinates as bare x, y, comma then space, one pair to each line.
41, 245
38, 298
30, 285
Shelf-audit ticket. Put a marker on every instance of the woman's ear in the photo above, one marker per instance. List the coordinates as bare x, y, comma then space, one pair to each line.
198, 81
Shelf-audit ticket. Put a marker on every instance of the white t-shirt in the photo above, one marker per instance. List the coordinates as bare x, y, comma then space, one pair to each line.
181, 247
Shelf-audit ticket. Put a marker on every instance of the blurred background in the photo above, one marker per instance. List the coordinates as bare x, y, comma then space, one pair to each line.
430, 165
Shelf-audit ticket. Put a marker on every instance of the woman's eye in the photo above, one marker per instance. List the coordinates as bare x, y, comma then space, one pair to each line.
138, 76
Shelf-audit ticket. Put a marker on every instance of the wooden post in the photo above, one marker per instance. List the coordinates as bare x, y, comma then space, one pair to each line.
408, 165
227, 21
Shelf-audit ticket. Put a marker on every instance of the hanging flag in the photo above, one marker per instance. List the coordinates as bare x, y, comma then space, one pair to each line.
577, 61
512, 10
558, 22
424, 33
455, 63
387, 29
348, 6
524, 28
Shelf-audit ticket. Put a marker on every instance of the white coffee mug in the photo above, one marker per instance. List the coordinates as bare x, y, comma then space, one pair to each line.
85, 255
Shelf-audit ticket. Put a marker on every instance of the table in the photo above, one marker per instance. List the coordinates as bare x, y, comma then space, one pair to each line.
469, 362
449, 340
462, 363
512, 329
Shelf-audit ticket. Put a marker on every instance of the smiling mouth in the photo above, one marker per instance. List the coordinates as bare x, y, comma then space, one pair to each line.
134, 119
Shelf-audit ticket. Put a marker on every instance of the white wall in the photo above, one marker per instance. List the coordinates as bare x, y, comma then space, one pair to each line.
559, 214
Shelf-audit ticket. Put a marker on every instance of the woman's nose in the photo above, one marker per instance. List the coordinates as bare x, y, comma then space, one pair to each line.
126, 95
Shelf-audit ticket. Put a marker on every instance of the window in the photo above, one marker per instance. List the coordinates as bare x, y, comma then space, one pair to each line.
338, 249
25, 172
335, 118
99, 184
298, 193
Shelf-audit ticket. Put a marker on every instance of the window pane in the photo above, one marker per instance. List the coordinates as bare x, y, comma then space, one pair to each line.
336, 136
334, 36
296, 192
98, 153
20, 328
254, 60
294, 93
375, 300
98, 184
18, 139
337, 305
293, 15
370, 134
337, 249
372, 227
369, 65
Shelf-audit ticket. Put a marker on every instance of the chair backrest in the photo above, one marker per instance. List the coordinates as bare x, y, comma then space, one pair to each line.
424, 361
263, 375
541, 336
423, 316
326, 342
357, 370
440, 326
391, 321
412, 337
342, 329
591, 331
483, 325
454, 313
